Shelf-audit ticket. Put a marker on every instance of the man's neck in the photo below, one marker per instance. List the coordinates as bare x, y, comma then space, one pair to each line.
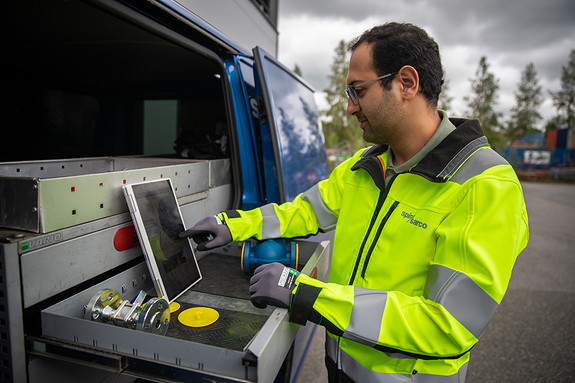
417, 132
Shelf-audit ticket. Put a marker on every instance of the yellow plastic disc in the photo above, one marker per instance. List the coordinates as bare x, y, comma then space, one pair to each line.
198, 317
174, 306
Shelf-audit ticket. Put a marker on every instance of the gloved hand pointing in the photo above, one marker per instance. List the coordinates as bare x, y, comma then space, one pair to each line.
272, 284
208, 233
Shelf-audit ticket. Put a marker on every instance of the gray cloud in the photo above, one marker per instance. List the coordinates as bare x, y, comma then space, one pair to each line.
510, 33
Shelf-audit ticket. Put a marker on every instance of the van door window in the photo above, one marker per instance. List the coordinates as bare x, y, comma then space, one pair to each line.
293, 120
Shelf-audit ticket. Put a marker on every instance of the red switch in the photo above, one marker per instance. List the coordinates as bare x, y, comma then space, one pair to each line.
126, 238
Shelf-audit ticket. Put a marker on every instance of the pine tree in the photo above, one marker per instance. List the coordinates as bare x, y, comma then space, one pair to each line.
564, 100
525, 114
484, 97
340, 129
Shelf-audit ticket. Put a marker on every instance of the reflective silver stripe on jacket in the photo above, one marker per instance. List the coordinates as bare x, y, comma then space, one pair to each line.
326, 220
359, 373
366, 315
331, 348
270, 222
460, 157
463, 298
365, 320
479, 162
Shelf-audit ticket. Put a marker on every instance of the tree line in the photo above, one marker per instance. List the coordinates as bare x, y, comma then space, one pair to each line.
340, 129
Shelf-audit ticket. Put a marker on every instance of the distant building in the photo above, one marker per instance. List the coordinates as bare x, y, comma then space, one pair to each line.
560, 138
549, 154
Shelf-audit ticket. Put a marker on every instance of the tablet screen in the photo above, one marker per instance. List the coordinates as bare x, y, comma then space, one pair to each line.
160, 217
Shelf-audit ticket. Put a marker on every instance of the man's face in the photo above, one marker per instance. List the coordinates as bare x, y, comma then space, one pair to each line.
379, 109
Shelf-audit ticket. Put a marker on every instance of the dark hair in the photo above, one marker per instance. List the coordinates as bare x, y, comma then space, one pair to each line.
397, 44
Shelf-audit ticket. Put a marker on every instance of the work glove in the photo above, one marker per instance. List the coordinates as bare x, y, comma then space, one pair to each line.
208, 233
272, 284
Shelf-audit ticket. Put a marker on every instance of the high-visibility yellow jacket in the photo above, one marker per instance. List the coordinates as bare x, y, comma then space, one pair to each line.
418, 266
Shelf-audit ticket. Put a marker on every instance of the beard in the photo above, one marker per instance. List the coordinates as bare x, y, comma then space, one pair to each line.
381, 122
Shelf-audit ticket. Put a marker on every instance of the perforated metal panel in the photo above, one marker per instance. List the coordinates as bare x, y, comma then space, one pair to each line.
233, 330
44, 196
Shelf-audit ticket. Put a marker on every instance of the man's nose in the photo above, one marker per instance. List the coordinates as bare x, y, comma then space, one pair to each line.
352, 109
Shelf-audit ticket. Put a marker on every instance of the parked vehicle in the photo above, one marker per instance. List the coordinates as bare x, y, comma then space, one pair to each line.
130, 89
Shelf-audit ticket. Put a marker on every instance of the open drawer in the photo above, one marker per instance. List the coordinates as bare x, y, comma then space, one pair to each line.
245, 344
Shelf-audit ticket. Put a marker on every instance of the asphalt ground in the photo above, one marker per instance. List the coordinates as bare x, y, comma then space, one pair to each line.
531, 337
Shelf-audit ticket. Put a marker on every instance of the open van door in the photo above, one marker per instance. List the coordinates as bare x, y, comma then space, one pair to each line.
295, 154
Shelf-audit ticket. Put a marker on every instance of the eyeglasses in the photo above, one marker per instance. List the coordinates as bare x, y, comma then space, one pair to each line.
351, 90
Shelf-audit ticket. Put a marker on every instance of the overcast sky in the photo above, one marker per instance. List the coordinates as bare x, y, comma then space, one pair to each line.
510, 33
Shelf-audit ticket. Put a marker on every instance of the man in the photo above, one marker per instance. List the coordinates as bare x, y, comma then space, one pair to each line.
428, 224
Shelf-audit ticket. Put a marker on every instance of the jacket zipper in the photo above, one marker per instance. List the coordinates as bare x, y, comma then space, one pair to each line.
380, 201
371, 223
374, 242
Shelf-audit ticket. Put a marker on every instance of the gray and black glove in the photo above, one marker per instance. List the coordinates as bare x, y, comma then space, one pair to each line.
208, 233
272, 284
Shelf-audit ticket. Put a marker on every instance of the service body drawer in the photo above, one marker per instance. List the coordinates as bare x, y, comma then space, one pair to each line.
245, 344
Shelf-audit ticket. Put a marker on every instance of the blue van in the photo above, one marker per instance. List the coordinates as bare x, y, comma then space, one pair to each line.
114, 89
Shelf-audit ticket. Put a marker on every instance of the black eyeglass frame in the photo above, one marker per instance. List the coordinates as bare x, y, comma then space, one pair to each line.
351, 90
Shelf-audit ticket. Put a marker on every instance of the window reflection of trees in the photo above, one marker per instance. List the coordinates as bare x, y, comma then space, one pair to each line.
299, 134
301, 146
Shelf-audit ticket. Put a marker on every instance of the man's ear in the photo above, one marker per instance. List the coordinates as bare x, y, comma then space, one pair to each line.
409, 80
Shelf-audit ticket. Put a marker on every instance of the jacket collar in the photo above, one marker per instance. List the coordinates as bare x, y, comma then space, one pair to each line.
442, 162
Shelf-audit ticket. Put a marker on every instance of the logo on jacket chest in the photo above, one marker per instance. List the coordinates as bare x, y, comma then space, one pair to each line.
411, 219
